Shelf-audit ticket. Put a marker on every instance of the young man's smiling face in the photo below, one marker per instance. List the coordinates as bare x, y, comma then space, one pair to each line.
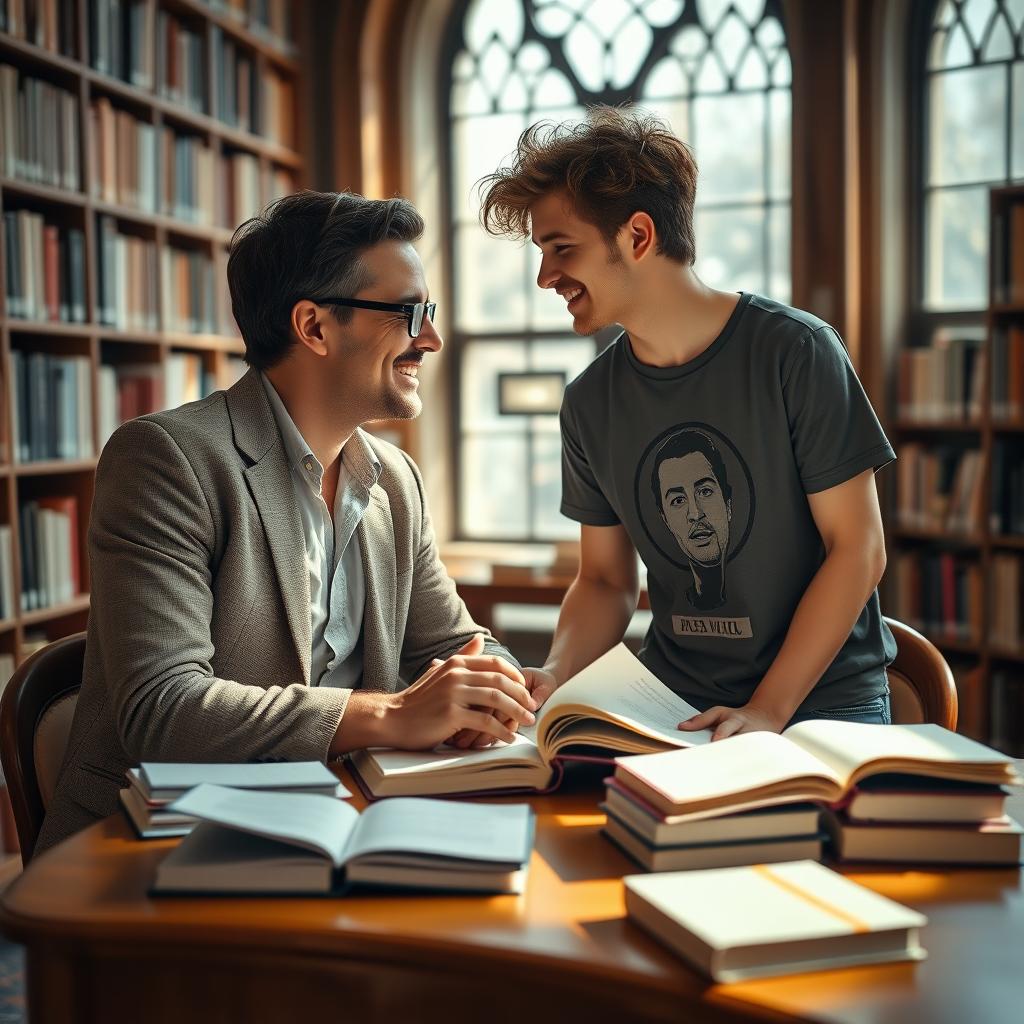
577, 262
376, 363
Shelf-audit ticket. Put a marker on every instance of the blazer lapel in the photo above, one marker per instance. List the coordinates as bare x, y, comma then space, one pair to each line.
270, 482
377, 546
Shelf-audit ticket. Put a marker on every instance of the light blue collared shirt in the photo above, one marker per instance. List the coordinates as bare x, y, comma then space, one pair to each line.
337, 590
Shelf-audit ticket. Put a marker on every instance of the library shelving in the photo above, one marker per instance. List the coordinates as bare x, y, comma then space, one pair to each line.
134, 136
956, 535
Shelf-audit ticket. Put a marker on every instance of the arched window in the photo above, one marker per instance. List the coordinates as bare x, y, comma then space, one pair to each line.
719, 72
973, 106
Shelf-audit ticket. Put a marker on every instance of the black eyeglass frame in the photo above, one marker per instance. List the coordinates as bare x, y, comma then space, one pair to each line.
414, 311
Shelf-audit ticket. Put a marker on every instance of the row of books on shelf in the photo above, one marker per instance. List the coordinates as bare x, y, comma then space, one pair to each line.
127, 278
1006, 513
247, 99
38, 130
121, 31
940, 487
130, 390
49, 24
1008, 254
45, 277
45, 268
943, 381
267, 19
52, 400
937, 593
1007, 399
163, 171
1004, 614
50, 573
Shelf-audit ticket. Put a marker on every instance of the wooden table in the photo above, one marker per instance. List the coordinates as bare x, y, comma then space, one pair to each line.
100, 950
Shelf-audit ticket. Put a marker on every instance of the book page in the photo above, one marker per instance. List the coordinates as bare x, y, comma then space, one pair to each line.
846, 746
498, 833
729, 768
523, 748
319, 823
622, 689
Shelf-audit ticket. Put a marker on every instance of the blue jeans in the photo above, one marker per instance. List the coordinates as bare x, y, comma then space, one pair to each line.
873, 711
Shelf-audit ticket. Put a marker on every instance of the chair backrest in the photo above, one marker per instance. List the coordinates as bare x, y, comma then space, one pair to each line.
35, 720
921, 686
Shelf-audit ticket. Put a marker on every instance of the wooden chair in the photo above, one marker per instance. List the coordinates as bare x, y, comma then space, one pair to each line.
921, 686
35, 721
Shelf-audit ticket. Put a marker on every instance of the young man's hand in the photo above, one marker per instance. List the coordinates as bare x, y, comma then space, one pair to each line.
732, 721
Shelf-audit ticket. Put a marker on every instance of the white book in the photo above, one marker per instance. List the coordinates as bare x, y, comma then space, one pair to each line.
752, 922
252, 841
819, 759
616, 705
163, 780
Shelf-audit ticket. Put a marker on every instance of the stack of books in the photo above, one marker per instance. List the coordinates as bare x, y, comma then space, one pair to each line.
915, 820
903, 793
155, 785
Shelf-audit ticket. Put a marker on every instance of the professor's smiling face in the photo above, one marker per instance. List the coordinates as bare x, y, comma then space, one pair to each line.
694, 508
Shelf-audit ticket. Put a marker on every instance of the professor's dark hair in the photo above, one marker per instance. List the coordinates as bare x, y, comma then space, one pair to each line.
304, 246
615, 163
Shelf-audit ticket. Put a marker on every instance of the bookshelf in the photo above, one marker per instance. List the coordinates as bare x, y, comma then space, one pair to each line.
134, 136
957, 535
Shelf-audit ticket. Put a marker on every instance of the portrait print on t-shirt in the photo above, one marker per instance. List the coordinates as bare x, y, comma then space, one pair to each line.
695, 499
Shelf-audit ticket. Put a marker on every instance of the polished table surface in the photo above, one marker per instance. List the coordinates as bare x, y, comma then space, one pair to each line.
100, 949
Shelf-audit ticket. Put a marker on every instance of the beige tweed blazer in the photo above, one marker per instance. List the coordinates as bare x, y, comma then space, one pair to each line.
199, 643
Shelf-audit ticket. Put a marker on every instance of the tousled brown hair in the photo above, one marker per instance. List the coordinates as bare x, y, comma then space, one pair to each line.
615, 163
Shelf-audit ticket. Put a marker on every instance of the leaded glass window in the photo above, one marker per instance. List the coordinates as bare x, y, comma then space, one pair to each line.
719, 72
974, 96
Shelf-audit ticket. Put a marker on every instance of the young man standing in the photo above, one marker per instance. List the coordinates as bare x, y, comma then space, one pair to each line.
725, 437
265, 580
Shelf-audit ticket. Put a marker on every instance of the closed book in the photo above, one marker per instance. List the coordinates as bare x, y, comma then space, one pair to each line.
752, 922
819, 759
259, 842
694, 856
662, 830
994, 842
161, 780
910, 798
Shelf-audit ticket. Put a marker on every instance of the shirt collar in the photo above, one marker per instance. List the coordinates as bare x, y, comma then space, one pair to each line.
358, 458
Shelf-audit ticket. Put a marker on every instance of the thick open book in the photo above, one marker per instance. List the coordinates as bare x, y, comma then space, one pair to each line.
614, 706
259, 842
820, 760
751, 922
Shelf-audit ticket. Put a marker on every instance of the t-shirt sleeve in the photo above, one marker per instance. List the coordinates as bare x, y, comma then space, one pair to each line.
582, 497
833, 428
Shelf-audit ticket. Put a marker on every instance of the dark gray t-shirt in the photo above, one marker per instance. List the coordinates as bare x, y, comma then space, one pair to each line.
708, 466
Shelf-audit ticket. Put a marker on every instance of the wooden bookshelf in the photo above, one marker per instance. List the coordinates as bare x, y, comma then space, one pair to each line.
990, 674
269, 58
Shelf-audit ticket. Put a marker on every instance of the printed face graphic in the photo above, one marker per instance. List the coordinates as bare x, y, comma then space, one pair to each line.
694, 508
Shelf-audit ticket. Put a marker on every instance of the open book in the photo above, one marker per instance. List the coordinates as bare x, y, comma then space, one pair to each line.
260, 842
819, 760
615, 705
